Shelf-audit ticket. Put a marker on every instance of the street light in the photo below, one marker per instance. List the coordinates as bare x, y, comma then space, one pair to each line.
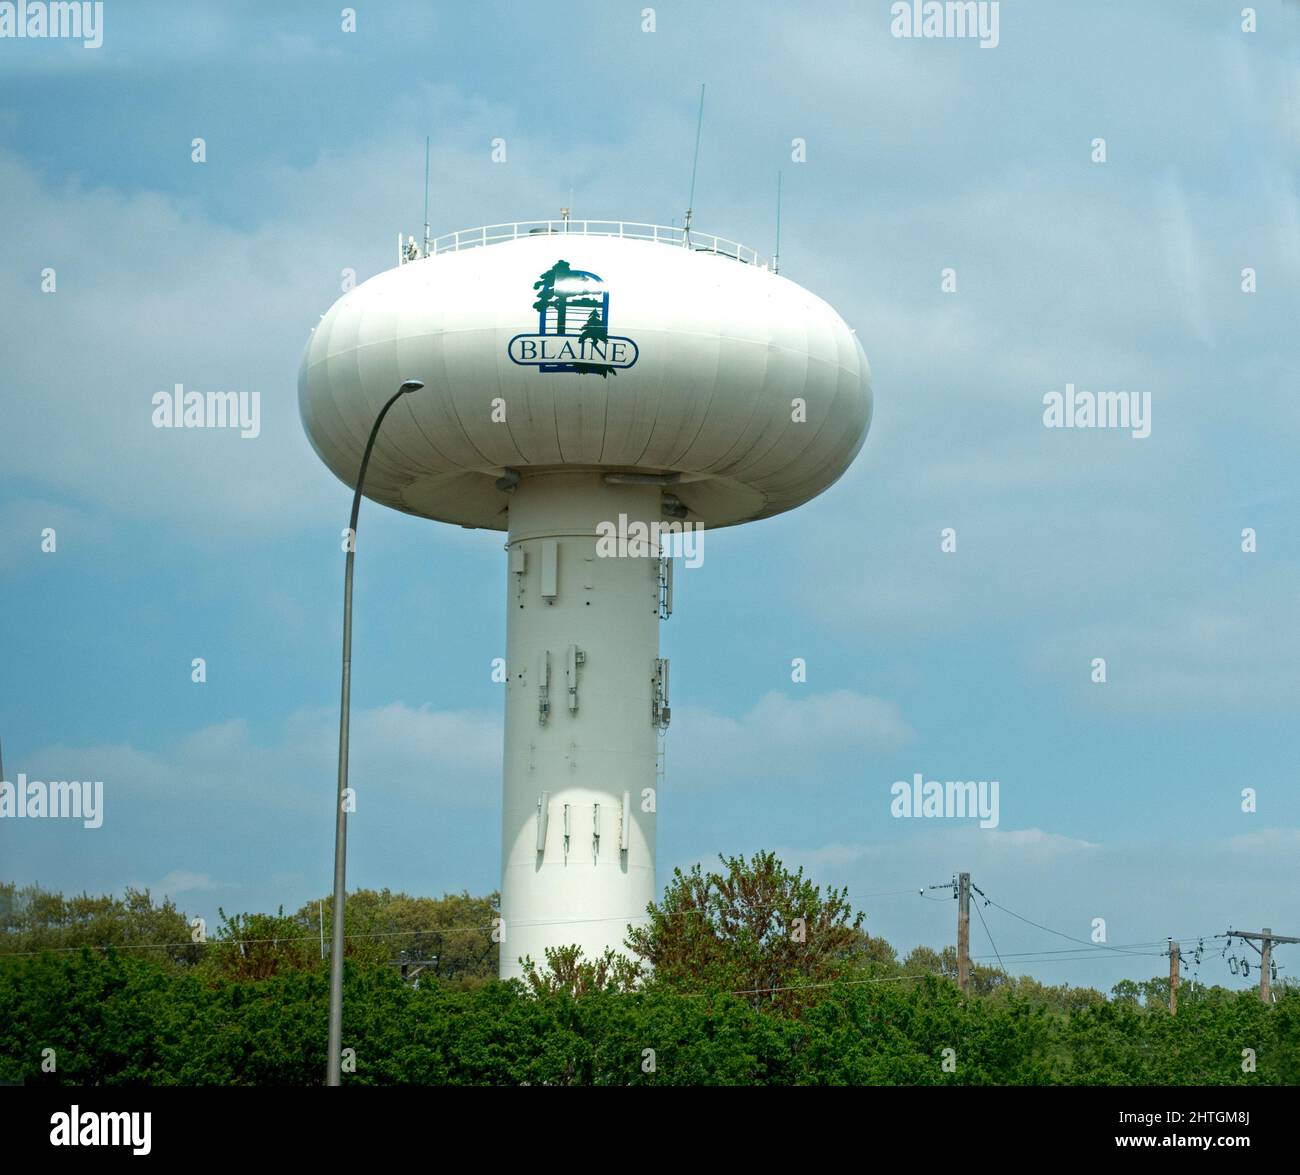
334, 1061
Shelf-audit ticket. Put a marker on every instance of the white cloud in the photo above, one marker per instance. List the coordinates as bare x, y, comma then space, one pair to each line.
178, 881
782, 736
1231, 650
1184, 252
1283, 840
438, 757
229, 816
1035, 842
152, 293
23, 522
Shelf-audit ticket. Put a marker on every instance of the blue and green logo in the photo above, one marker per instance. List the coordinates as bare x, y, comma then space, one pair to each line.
572, 327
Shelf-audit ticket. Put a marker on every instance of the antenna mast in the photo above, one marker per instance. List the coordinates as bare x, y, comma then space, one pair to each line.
426, 195
776, 257
695, 167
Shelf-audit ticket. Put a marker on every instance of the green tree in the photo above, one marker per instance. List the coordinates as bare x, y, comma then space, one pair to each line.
36, 919
756, 930
566, 970
454, 931
926, 961
256, 946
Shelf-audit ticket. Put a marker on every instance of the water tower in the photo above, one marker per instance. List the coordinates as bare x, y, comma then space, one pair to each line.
584, 380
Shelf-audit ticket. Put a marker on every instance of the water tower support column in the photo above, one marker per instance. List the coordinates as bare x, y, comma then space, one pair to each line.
582, 647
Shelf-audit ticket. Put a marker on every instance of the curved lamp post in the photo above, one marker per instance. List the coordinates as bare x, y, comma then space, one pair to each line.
333, 1062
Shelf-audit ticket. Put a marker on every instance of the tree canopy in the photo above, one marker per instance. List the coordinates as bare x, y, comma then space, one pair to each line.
755, 929
746, 975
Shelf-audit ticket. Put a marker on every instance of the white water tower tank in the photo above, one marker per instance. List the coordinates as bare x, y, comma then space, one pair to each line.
582, 377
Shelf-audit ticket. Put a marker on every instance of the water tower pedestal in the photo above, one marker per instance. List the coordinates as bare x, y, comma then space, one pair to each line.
582, 649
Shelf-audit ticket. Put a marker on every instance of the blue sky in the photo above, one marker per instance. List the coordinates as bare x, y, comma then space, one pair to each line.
1120, 801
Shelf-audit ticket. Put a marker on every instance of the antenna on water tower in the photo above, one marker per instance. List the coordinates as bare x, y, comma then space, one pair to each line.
695, 167
426, 195
776, 256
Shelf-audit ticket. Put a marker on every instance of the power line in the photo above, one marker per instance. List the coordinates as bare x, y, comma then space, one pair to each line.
1059, 933
986, 931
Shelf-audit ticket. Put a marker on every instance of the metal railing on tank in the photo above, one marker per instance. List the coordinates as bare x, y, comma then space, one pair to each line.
409, 249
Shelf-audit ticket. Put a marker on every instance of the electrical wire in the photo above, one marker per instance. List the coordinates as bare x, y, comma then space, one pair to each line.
1059, 933
986, 931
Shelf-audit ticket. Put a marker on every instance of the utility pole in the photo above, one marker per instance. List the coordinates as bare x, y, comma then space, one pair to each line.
1173, 978
1266, 940
963, 931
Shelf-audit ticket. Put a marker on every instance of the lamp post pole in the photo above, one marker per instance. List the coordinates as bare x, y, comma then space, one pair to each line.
333, 1064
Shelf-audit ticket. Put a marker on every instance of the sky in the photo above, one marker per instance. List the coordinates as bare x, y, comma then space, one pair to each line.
1119, 800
